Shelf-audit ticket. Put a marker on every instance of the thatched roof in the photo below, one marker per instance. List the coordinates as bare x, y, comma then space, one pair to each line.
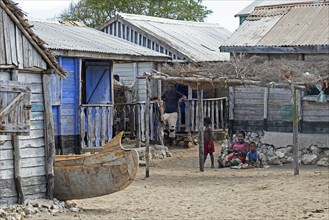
242, 71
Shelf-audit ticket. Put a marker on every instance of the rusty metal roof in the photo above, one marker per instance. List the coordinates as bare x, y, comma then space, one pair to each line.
196, 40
247, 10
300, 24
67, 37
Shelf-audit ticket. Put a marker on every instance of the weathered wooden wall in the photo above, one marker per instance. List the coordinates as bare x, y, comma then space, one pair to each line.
32, 149
15, 49
270, 109
128, 73
66, 107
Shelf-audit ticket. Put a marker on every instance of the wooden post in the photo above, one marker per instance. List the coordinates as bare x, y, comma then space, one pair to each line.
16, 154
266, 90
147, 127
49, 137
200, 130
295, 130
17, 169
231, 115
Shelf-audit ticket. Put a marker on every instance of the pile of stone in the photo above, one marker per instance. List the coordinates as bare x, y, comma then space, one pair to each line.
279, 155
30, 208
156, 151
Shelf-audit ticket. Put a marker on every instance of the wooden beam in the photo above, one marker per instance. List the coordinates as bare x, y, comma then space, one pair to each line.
295, 130
147, 127
49, 137
200, 130
266, 90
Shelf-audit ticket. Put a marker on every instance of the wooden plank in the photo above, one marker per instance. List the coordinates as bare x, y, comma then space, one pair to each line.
2, 39
89, 128
19, 47
49, 137
103, 126
32, 143
316, 118
33, 152
7, 38
82, 127
295, 131
6, 165
17, 169
12, 29
33, 171
315, 127
231, 103
96, 127
222, 120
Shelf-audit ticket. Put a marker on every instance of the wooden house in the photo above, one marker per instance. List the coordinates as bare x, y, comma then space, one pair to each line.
186, 42
83, 104
27, 147
294, 32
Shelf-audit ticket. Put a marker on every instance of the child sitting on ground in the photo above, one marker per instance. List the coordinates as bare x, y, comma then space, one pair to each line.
252, 159
234, 159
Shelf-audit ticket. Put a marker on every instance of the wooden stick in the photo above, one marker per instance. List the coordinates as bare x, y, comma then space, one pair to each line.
295, 130
147, 127
49, 137
200, 130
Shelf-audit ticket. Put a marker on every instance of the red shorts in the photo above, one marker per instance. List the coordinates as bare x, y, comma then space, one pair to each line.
212, 147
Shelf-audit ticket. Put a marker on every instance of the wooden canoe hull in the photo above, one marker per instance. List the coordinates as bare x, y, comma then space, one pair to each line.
87, 176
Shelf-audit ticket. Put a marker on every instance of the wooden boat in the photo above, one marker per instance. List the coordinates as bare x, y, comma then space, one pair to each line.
85, 176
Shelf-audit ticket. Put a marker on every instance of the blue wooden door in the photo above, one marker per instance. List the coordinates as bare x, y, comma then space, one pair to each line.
98, 83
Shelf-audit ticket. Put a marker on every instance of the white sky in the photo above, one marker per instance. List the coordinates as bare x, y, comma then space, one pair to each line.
223, 10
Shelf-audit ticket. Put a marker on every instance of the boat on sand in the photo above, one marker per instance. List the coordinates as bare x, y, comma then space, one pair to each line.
110, 170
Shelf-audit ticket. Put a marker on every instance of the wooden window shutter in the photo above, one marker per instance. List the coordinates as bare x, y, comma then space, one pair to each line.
15, 107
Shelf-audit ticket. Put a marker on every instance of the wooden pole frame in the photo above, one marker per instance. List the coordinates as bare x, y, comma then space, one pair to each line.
49, 137
295, 130
147, 127
200, 129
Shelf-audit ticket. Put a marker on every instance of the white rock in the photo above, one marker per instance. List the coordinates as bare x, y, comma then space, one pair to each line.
326, 152
315, 150
280, 154
323, 162
289, 149
308, 159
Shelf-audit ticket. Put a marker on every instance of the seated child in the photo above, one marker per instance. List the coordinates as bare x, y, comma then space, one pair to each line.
252, 159
234, 159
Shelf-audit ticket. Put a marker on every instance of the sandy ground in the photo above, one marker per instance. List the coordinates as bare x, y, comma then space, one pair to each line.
176, 189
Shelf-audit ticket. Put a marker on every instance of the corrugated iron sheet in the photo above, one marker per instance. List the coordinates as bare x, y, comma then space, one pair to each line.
247, 10
293, 25
197, 40
76, 38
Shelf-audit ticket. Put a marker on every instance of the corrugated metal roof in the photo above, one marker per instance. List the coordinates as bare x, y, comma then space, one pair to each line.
197, 40
247, 10
76, 38
289, 25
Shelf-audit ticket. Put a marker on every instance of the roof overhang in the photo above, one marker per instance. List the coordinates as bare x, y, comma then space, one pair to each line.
106, 56
316, 49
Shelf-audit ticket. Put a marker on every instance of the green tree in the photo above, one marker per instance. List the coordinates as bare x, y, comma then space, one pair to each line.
95, 12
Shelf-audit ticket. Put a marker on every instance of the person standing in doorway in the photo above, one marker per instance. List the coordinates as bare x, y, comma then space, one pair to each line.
171, 98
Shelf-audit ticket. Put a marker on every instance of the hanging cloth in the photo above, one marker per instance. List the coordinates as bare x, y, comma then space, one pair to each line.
321, 97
